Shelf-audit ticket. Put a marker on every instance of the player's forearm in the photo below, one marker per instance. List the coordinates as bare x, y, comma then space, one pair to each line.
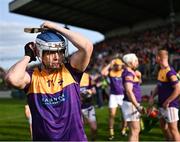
105, 70
80, 59
16, 73
77, 40
130, 93
174, 94
132, 98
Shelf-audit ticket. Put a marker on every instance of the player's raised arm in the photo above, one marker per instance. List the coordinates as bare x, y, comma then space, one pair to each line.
105, 70
80, 59
17, 75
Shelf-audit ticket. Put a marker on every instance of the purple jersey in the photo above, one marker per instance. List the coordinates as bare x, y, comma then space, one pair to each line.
165, 86
85, 84
55, 105
116, 86
136, 85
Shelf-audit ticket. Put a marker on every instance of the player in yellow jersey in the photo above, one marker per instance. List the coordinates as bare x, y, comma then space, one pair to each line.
168, 91
53, 87
114, 72
87, 91
131, 107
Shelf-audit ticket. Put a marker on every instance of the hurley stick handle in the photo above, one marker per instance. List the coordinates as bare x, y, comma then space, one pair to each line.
34, 30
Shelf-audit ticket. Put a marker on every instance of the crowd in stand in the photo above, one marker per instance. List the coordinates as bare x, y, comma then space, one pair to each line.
145, 44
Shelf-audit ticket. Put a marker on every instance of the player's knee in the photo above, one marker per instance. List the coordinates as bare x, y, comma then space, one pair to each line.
135, 132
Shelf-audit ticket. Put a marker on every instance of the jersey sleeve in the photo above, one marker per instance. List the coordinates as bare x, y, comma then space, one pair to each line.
30, 72
77, 75
128, 74
172, 73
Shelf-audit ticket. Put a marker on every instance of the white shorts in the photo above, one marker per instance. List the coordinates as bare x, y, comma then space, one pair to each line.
89, 113
170, 114
115, 100
130, 113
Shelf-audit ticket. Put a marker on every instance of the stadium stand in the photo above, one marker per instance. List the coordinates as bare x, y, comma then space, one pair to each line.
145, 44
128, 26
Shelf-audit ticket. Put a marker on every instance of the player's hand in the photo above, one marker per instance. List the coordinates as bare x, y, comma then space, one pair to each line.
166, 104
89, 91
30, 50
49, 25
141, 109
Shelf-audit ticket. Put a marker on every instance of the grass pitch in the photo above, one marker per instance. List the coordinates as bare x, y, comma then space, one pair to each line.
14, 126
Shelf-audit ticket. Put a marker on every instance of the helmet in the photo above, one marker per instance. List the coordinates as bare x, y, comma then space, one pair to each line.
129, 58
117, 62
50, 41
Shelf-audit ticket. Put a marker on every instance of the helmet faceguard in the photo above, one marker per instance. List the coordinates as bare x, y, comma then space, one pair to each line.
50, 41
